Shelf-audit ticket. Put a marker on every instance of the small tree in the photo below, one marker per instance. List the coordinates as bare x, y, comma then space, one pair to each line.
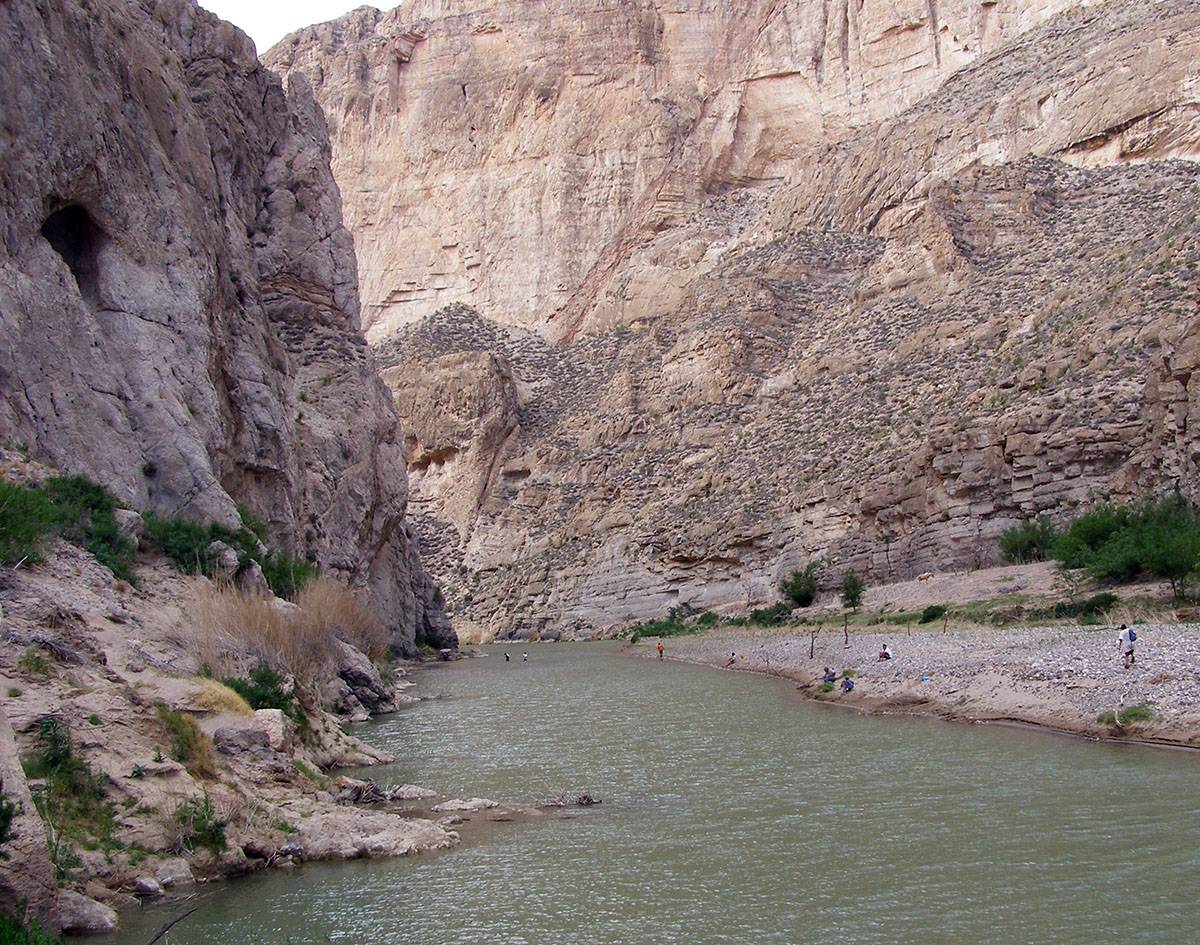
801, 586
852, 590
1029, 541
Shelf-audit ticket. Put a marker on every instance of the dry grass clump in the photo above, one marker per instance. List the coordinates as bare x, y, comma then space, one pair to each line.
332, 608
232, 630
213, 696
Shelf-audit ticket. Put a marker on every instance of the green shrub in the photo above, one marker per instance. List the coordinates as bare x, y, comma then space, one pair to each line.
26, 518
84, 514
1089, 610
1117, 544
770, 616
264, 688
1135, 713
1029, 541
199, 825
13, 932
71, 506
186, 543
71, 800
8, 813
189, 745
286, 575
932, 613
801, 586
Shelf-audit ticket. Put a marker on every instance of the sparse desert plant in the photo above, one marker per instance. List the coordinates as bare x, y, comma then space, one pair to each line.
26, 517
1142, 712
199, 825
189, 745
932, 613
801, 586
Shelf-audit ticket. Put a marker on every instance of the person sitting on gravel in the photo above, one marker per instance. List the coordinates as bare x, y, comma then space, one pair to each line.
830, 675
847, 684
885, 653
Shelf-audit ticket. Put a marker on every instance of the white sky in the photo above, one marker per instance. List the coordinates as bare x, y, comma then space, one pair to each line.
268, 21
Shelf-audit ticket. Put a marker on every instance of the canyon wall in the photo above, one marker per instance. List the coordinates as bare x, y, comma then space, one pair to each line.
517, 157
179, 314
707, 336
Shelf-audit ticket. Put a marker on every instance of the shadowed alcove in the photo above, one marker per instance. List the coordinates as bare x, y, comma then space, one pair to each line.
77, 238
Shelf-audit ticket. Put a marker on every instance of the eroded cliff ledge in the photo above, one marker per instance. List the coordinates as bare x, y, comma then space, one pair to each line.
179, 314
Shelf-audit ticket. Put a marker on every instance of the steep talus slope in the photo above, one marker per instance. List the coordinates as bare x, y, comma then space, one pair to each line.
532, 154
178, 297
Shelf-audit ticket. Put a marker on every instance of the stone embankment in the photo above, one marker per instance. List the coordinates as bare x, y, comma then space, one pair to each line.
1062, 678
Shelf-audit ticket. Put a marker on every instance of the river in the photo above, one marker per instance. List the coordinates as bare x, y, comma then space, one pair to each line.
733, 812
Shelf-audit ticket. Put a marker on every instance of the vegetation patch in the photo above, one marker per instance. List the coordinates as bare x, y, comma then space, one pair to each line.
266, 689
932, 612
199, 825
13, 932
1142, 712
800, 587
1117, 543
69, 506
70, 798
189, 546
189, 746
1029, 541
681, 620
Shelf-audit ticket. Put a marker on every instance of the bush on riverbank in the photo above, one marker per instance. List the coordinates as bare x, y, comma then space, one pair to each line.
680, 620
1118, 542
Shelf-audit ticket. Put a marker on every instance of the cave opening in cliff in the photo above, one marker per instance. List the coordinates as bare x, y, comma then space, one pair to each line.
78, 239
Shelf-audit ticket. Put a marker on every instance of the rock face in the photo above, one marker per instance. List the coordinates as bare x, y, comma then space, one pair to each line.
531, 152
178, 296
860, 282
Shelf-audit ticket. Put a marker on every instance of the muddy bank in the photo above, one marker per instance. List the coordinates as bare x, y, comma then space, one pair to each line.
1060, 678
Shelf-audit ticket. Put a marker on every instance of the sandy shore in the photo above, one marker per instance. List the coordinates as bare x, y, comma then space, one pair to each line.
1061, 678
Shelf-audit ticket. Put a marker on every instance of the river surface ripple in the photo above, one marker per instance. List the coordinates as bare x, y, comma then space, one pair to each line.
735, 813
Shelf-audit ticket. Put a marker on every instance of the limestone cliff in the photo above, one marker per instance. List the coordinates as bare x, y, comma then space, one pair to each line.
529, 151
179, 314
953, 286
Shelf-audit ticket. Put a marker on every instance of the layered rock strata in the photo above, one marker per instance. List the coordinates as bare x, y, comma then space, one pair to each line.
530, 153
179, 314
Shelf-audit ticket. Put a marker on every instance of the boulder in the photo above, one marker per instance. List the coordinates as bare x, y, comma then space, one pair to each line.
80, 915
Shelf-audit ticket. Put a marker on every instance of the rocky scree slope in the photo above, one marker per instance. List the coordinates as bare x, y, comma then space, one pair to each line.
920, 338
178, 296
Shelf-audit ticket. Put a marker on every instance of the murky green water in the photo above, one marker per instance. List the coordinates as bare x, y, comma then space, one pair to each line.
734, 813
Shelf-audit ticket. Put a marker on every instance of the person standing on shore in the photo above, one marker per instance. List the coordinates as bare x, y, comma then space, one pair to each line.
1125, 642
660, 649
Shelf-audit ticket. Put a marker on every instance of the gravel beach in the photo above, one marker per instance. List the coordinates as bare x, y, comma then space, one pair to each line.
1061, 678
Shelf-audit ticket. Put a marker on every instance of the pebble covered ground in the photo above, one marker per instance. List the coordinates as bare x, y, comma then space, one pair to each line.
1061, 677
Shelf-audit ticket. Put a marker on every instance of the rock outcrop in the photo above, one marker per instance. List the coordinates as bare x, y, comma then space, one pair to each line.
179, 315
965, 294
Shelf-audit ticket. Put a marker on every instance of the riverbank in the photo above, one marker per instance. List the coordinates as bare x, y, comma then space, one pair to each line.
1062, 678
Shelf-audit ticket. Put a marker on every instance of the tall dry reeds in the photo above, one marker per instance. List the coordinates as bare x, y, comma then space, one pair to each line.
332, 608
233, 630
